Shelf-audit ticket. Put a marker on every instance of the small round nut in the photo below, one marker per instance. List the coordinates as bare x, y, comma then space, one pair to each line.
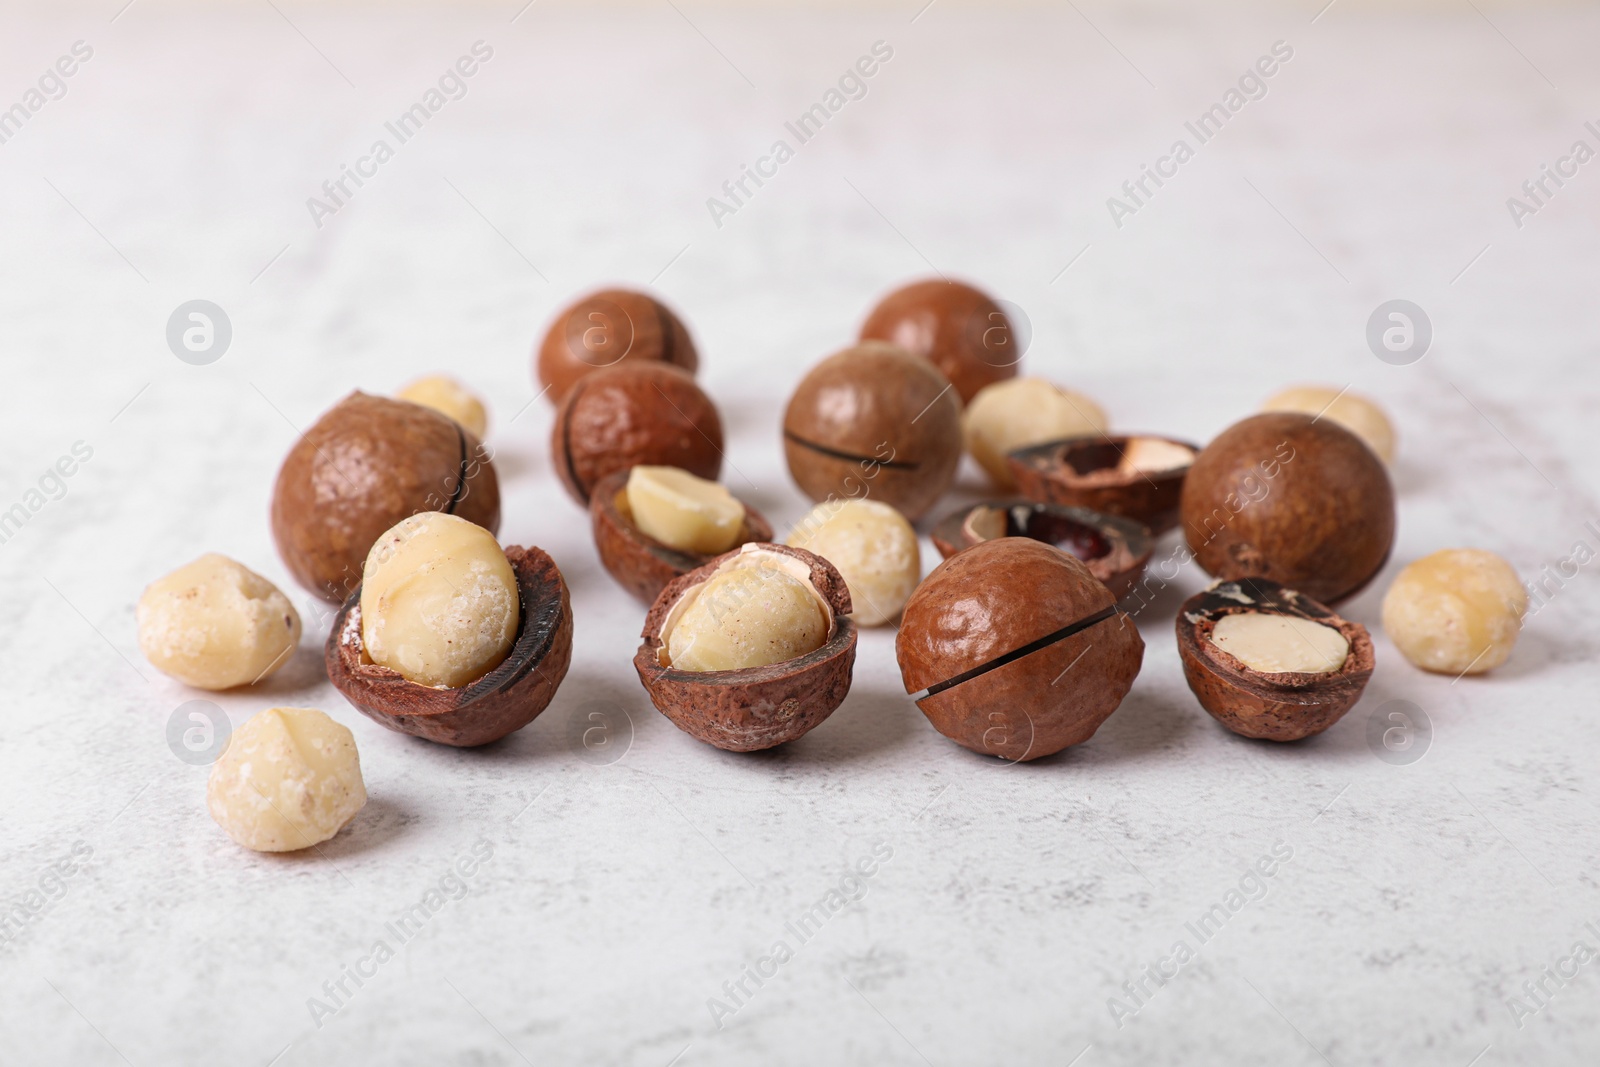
1359, 414
215, 624
1014, 414
684, 512
1458, 611
438, 601
289, 779
602, 330
874, 548
958, 328
449, 397
748, 617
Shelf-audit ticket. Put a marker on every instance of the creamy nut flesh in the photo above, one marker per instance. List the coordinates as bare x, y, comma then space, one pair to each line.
1457, 611
1009, 415
215, 624
758, 608
1154, 454
1356, 413
448, 397
1280, 644
682, 511
439, 602
290, 778
874, 549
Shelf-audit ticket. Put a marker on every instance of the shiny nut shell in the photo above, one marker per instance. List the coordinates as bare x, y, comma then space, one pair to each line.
1082, 472
757, 707
605, 328
956, 327
1115, 550
501, 702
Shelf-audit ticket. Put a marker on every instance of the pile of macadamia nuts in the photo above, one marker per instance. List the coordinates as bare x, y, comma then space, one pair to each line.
1020, 643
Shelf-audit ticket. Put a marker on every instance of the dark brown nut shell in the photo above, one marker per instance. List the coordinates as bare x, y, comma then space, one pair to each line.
1115, 550
1017, 651
1301, 501
1083, 472
757, 707
367, 463
957, 327
1276, 707
603, 329
641, 564
501, 702
874, 421
632, 414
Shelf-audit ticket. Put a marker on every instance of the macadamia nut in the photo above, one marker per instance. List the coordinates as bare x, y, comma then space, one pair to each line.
1152, 454
1358, 414
290, 778
1280, 644
439, 602
682, 511
449, 397
215, 624
1457, 611
748, 616
1014, 414
874, 549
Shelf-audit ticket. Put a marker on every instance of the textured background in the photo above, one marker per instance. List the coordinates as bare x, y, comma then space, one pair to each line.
622, 895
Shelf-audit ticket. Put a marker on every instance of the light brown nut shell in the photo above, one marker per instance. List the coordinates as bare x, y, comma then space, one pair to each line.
757, 707
604, 329
956, 327
501, 702
1081, 472
1115, 550
641, 564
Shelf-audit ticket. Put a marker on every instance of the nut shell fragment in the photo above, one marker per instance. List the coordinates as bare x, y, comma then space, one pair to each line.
1103, 473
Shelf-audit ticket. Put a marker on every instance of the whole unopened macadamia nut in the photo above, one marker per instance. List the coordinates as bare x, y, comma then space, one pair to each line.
289, 779
874, 548
438, 601
215, 624
603, 329
449, 397
1458, 611
1024, 411
1356, 413
956, 327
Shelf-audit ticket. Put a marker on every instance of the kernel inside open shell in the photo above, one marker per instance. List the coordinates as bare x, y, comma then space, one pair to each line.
1115, 550
1135, 476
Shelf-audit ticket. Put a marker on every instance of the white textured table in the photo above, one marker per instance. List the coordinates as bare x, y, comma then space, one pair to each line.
622, 902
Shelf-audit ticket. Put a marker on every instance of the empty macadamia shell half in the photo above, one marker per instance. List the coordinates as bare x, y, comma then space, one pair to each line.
1115, 550
641, 564
756, 707
1134, 476
1278, 706
503, 701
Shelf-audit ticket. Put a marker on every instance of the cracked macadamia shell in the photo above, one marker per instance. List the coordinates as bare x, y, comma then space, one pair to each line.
605, 328
362, 467
216, 624
1115, 550
1016, 649
874, 422
1277, 706
502, 701
1134, 476
956, 327
1286, 497
289, 779
754, 707
636, 413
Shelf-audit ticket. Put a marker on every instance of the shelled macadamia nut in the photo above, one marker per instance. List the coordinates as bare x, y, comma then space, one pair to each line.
1009, 415
449, 397
289, 779
748, 618
682, 511
438, 601
1458, 611
215, 624
874, 548
1360, 415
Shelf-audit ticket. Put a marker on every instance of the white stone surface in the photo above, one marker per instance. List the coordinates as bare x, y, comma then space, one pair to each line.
620, 898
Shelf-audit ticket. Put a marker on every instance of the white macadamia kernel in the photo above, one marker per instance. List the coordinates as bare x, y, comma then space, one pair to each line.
290, 778
215, 624
1152, 454
873, 548
439, 602
1281, 644
1019, 412
1458, 611
449, 397
749, 614
1358, 414
683, 511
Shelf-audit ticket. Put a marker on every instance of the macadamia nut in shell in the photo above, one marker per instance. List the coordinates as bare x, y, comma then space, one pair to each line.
1458, 611
215, 624
873, 546
289, 779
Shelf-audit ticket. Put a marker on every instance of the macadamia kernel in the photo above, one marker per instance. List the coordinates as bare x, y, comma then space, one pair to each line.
1280, 644
215, 624
1358, 414
748, 616
439, 602
1014, 414
1457, 611
682, 511
1152, 454
290, 778
874, 549
449, 397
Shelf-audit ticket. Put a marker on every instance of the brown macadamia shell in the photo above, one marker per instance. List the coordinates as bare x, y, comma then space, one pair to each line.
1115, 550
605, 328
1086, 472
956, 327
